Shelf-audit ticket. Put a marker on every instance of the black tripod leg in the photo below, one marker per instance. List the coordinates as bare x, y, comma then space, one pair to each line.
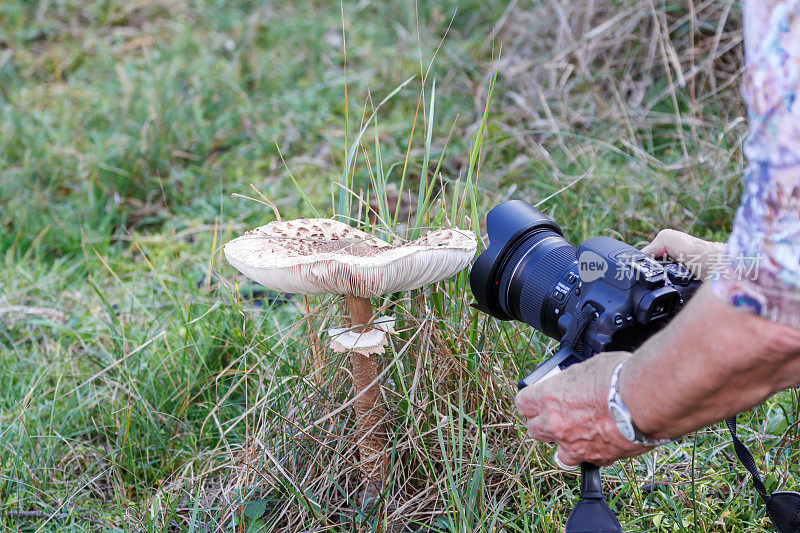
591, 514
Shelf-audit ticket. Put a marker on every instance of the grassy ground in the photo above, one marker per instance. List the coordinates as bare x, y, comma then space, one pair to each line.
145, 385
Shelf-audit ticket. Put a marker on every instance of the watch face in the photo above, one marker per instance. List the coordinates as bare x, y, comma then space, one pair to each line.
622, 421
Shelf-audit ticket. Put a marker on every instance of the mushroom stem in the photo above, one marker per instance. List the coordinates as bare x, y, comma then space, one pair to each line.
368, 408
360, 312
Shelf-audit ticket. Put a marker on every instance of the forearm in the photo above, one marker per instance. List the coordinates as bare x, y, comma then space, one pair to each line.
710, 362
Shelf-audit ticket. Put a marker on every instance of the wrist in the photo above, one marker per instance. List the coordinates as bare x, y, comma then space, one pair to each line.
621, 416
643, 412
607, 363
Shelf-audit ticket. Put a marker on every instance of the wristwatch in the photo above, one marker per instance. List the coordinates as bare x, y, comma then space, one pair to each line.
622, 417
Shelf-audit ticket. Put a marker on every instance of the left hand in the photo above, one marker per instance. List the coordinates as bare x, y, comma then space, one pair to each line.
571, 409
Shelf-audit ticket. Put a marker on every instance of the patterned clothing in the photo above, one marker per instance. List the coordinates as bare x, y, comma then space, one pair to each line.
763, 254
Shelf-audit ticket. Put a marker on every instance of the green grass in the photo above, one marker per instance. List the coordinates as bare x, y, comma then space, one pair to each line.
141, 389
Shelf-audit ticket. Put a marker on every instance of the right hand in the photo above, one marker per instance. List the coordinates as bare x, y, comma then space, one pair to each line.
697, 255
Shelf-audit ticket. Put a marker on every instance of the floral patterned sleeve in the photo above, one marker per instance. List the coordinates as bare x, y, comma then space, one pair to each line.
763, 252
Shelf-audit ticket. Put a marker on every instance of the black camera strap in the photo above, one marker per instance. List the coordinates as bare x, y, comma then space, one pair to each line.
783, 507
577, 328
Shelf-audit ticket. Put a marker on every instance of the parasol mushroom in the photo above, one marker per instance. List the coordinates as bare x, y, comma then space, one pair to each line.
324, 256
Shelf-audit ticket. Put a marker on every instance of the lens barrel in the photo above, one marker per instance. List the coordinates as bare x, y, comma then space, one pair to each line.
532, 289
526, 258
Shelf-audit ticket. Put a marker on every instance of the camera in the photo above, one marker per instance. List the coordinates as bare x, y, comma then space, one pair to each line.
603, 295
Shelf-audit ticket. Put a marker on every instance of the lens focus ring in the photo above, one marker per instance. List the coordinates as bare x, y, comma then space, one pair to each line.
539, 281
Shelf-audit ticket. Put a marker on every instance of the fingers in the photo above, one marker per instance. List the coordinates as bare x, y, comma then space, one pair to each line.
573, 450
668, 242
569, 464
526, 402
696, 254
539, 429
656, 247
567, 459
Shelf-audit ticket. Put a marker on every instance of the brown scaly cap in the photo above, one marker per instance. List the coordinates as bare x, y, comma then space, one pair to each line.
323, 256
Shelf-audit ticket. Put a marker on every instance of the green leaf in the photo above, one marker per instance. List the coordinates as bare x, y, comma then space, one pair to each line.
257, 526
255, 509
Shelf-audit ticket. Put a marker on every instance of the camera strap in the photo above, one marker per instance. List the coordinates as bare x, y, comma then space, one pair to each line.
783, 507
577, 328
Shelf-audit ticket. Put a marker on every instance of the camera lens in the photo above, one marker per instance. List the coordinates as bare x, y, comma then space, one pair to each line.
517, 276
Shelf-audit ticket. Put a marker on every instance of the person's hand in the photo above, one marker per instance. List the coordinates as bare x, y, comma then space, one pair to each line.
571, 409
697, 255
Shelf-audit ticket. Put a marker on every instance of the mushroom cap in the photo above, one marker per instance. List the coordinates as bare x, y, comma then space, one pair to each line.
324, 256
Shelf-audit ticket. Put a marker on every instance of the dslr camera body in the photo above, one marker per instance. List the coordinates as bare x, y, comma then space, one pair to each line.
603, 295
